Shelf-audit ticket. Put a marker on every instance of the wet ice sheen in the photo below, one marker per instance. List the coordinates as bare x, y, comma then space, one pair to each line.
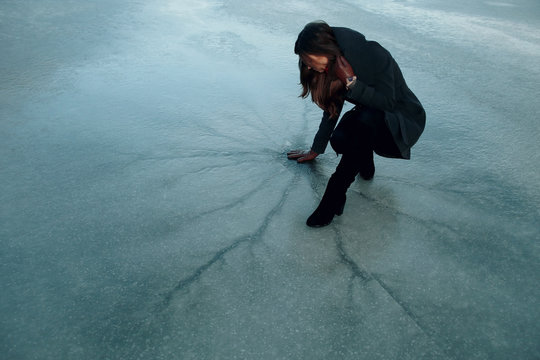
148, 210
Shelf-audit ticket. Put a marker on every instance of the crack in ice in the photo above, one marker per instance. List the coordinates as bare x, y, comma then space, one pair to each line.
356, 270
187, 281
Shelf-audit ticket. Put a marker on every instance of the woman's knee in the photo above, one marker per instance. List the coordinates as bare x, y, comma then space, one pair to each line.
349, 139
339, 141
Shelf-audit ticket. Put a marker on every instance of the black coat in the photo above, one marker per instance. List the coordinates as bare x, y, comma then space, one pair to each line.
380, 84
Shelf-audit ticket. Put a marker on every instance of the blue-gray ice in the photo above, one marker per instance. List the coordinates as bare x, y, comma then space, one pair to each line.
148, 211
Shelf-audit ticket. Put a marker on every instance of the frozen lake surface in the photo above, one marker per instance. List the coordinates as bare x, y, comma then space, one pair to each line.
148, 211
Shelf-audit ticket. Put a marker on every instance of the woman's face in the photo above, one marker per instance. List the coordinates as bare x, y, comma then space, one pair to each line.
317, 63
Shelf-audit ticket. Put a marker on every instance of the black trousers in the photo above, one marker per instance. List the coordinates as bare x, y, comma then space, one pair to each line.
363, 129
360, 132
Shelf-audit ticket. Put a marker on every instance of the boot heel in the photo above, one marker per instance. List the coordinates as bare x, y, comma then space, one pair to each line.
339, 210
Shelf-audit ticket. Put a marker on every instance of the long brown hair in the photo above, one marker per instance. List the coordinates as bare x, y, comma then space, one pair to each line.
327, 91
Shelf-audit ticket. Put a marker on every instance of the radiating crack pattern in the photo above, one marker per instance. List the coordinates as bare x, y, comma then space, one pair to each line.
364, 275
187, 281
195, 275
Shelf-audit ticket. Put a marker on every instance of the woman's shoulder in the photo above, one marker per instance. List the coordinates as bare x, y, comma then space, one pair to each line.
345, 35
351, 42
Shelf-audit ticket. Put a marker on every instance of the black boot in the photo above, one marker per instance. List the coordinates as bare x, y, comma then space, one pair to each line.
324, 214
332, 203
333, 200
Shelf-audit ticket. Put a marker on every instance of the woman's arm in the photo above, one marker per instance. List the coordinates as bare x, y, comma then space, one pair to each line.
327, 125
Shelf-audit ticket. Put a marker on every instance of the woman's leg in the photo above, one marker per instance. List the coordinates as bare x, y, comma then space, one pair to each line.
359, 132
355, 137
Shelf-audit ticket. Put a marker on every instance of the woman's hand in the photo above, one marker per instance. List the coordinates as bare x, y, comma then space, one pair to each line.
343, 69
302, 155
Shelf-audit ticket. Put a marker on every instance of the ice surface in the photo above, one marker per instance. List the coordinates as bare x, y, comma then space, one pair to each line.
148, 211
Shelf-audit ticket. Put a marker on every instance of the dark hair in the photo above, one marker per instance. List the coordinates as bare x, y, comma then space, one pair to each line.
327, 91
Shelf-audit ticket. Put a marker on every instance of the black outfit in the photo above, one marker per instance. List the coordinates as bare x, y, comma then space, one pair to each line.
379, 85
388, 119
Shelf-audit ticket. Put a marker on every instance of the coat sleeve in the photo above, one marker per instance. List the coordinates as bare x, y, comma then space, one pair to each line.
327, 125
380, 93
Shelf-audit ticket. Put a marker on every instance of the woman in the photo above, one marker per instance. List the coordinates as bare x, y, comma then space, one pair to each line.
338, 64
